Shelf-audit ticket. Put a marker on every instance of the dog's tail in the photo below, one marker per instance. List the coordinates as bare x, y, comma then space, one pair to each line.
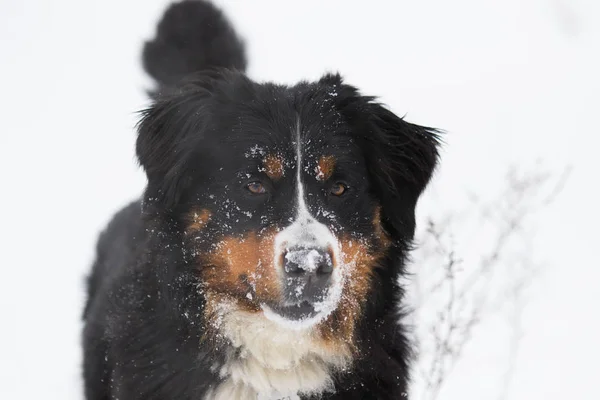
192, 36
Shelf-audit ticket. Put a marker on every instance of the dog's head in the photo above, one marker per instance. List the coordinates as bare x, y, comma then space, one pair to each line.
289, 199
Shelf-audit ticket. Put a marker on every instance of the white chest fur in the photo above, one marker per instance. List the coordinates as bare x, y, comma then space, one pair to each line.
268, 361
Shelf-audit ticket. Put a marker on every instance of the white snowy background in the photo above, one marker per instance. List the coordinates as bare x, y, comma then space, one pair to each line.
511, 81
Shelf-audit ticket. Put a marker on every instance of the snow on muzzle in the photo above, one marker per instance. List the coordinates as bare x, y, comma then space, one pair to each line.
306, 254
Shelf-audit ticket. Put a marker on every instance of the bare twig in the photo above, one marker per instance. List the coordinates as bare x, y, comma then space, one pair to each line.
455, 290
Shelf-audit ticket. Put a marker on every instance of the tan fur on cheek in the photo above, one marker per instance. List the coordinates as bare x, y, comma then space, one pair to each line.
237, 275
274, 167
243, 268
325, 167
359, 261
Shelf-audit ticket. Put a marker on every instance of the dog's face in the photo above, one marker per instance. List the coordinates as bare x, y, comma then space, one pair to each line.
288, 199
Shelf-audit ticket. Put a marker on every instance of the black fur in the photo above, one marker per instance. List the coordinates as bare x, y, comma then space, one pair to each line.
192, 36
144, 327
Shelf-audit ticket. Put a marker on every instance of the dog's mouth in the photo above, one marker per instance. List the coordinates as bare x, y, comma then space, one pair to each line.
294, 312
304, 314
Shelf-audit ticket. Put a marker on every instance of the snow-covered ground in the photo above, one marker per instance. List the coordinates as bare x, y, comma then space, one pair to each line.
511, 81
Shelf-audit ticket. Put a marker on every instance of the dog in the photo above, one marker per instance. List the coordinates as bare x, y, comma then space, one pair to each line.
263, 259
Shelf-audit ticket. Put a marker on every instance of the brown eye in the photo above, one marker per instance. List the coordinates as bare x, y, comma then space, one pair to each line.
256, 188
338, 189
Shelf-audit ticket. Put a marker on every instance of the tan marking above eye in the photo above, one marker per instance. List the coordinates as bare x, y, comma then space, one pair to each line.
325, 167
273, 166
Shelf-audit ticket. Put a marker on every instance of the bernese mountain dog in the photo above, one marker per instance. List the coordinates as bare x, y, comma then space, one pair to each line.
263, 259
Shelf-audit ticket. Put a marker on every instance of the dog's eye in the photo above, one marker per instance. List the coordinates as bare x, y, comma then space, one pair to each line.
256, 188
338, 189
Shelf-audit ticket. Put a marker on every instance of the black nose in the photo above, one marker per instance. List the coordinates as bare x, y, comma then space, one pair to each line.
307, 274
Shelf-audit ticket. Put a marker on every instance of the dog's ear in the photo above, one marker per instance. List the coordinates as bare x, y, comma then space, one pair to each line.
167, 132
401, 156
172, 131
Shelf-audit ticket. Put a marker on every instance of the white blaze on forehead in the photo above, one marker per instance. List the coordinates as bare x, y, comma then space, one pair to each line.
306, 232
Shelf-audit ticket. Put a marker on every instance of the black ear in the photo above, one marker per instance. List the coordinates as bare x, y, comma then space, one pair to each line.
401, 156
168, 133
